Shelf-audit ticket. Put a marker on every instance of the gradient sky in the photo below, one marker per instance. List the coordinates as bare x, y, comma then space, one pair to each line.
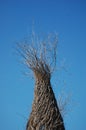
68, 19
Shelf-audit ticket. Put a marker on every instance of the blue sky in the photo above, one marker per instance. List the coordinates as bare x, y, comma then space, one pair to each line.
68, 19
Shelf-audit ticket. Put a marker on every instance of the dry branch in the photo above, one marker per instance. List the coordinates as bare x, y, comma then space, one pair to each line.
39, 54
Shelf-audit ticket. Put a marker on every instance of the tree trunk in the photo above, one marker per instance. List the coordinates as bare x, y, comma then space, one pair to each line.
45, 113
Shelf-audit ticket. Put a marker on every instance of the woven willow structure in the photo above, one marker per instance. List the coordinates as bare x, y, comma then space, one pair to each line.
45, 113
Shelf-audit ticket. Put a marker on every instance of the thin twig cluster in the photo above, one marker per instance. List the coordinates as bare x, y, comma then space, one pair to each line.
39, 54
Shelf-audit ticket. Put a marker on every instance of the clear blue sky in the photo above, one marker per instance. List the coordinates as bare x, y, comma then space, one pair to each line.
68, 19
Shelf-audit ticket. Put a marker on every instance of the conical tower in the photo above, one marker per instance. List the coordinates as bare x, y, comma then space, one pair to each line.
45, 113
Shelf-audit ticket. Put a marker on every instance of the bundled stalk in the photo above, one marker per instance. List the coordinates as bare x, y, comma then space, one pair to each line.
40, 55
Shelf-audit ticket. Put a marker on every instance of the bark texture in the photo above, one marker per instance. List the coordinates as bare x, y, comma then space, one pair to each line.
45, 113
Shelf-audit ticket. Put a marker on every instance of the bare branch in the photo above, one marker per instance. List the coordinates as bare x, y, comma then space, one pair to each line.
64, 101
39, 54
